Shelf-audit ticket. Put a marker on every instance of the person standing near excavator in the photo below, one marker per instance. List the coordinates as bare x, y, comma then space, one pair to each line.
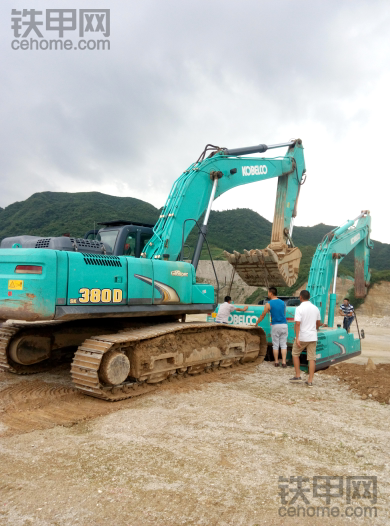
347, 310
307, 323
226, 309
279, 327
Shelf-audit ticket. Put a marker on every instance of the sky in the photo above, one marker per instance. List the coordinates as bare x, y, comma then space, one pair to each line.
129, 120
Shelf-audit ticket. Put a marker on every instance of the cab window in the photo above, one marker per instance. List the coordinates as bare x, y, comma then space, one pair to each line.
145, 238
108, 238
130, 244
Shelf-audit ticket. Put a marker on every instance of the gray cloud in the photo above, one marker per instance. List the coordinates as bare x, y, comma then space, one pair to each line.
181, 74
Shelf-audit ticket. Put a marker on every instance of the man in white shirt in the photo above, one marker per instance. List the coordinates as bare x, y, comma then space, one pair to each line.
226, 309
307, 322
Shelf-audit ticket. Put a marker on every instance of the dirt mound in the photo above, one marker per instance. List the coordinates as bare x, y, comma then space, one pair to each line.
374, 384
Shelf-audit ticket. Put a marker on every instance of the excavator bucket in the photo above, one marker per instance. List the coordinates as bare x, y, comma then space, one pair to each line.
275, 266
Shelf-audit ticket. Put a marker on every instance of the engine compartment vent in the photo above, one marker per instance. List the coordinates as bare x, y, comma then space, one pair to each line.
88, 245
104, 261
43, 243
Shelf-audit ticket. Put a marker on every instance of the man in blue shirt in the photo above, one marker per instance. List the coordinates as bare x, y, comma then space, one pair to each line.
279, 328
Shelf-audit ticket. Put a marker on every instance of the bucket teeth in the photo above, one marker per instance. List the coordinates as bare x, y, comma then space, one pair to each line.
277, 265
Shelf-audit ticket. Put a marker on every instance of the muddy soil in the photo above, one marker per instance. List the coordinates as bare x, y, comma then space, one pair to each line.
367, 383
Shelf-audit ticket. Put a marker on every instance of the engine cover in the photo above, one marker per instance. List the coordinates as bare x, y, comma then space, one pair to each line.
70, 244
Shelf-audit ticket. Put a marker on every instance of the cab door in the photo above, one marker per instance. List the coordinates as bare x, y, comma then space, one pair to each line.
139, 270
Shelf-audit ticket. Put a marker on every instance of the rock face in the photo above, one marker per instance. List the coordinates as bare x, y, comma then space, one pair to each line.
377, 302
240, 290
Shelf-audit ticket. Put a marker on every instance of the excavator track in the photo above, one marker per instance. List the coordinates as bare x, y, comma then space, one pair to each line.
90, 361
7, 334
53, 341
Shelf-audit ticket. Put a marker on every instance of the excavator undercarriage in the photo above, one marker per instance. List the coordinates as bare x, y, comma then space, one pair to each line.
114, 365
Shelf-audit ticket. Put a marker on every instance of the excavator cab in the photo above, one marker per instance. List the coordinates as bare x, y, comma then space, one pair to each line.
122, 238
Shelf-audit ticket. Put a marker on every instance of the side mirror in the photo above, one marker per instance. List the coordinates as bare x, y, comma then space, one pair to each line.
362, 335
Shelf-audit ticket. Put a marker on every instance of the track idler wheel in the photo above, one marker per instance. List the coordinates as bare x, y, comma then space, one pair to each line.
28, 350
115, 368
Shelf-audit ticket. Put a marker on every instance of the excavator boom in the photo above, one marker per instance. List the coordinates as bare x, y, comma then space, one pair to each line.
204, 181
354, 235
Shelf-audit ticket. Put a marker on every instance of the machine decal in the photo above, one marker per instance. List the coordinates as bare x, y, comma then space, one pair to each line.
168, 294
341, 347
236, 319
179, 273
99, 296
255, 170
15, 284
355, 238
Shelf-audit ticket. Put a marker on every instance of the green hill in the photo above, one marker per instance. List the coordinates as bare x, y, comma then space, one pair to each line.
54, 213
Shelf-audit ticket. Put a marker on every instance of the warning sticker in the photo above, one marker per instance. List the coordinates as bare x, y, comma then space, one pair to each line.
15, 284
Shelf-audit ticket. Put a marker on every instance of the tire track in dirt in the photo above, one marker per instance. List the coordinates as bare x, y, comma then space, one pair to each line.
51, 400
27, 405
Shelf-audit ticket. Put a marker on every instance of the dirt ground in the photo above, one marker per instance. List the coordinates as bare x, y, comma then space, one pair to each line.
207, 450
368, 383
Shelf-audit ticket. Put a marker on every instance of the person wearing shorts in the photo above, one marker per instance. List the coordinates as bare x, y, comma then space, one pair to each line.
279, 327
307, 322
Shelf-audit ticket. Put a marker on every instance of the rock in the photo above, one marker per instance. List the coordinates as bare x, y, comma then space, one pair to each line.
370, 365
277, 434
364, 397
359, 454
375, 393
370, 395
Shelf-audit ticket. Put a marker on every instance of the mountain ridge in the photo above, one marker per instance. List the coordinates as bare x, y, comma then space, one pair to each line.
56, 213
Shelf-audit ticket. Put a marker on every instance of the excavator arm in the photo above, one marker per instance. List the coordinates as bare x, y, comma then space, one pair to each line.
205, 180
353, 235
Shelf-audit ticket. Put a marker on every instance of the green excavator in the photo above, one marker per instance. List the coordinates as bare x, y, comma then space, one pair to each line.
118, 302
335, 344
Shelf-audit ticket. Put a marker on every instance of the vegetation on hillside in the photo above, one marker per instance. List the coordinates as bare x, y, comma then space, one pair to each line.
56, 213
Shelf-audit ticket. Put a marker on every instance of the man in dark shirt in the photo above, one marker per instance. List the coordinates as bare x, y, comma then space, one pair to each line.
347, 310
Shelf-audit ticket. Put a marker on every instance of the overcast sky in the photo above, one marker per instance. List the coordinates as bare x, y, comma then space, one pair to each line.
181, 74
